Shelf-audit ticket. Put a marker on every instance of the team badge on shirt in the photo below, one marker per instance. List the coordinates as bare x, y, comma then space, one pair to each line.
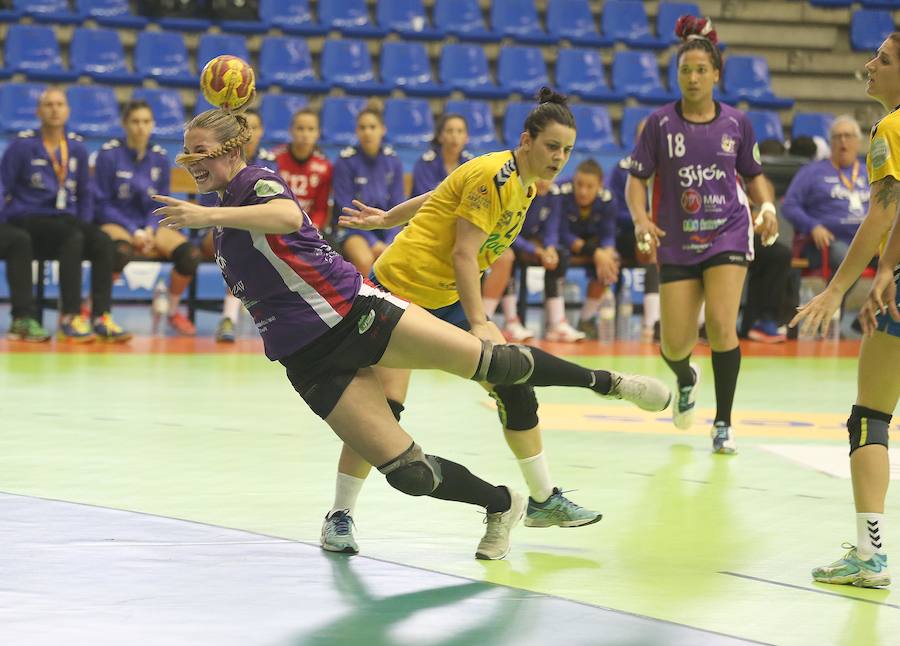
728, 144
267, 188
879, 152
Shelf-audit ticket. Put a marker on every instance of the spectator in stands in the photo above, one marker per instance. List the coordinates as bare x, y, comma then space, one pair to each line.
370, 173
828, 199
626, 245
305, 168
587, 217
48, 196
448, 150
256, 155
126, 173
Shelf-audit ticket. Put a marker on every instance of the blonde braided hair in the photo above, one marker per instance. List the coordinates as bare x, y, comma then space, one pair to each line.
229, 128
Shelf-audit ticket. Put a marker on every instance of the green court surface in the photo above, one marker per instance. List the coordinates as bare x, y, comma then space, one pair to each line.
693, 548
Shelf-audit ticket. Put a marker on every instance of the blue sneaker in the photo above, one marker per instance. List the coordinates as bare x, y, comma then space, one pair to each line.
723, 438
852, 570
105, 329
558, 510
337, 533
767, 331
75, 328
683, 413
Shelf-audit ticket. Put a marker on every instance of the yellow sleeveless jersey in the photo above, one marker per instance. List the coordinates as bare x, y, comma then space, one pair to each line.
883, 159
488, 192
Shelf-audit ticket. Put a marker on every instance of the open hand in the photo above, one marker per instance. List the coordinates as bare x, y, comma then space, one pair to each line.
177, 214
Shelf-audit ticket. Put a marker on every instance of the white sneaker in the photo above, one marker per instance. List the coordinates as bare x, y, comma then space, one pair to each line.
564, 333
683, 410
647, 393
495, 543
337, 533
515, 331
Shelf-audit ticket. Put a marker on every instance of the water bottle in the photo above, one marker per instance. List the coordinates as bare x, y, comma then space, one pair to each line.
606, 321
160, 304
624, 310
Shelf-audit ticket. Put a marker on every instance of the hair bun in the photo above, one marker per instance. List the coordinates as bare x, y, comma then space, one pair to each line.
691, 27
548, 95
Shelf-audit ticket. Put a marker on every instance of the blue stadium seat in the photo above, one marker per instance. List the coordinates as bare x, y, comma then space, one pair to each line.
668, 14
348, 65
18, 106
580, 72
521, 68
812, 124
407, 18
276, 111
595, 131
178, 23
573, 20
482, 133
212, 45
409, 122
631, 117
339, 119
53, 11
766, 125
406, 66
747, 78
463, 19
168, 111
465, 68
518, 19
831, 3
350, 17
163, 57
625, 21
285, 61
636, 74
33, 51
10, 15
111, 13
514, 121
869, 28
98, 53
880, 4
94, 111
291, 17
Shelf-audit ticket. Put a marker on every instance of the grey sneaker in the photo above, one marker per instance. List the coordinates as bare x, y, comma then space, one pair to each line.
683, 413
647, 393
558, 510
337, 533
723, 438
495, 543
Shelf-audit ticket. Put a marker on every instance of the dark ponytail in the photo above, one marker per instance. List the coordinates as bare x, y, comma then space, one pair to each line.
698, 33
553, 107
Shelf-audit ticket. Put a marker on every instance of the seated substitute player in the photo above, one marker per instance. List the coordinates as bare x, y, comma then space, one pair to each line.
447, 151
305, 168
436, 262
328, 326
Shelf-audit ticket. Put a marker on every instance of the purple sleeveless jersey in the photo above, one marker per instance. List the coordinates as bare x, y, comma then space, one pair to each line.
294, 285
695, 185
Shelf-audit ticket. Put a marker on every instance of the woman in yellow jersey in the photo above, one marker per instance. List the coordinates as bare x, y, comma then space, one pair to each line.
453, 235
878, 385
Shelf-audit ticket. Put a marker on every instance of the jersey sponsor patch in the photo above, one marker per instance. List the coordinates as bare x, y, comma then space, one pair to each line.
267, 188
879, 152
756, 157
365, 322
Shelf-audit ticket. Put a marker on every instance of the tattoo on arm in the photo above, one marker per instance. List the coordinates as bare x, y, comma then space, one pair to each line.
888, 195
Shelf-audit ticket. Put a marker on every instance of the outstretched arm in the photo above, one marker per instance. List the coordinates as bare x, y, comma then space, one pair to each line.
274, 216
368, 217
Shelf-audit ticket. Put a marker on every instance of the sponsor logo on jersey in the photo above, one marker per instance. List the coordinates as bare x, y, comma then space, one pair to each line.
365, 322
267, 188
691, 201
879, 152
698, 174
728, 144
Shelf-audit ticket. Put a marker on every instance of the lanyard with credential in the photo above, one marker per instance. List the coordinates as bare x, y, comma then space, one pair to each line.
60, 168
849, 183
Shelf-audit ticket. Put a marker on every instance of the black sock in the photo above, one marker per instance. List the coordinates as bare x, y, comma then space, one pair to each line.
550, 370
726, 366
682, 370
461, 485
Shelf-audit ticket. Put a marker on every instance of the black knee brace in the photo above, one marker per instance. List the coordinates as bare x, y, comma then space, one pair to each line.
186, 259
396, 408
517, 407
504, 364
413, 472
651, 279
866, 426
122, 254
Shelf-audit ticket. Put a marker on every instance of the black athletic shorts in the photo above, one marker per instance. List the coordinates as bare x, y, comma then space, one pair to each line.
671, 273
321, 371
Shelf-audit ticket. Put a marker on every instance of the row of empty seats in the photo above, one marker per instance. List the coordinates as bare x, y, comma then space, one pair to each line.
623, 21
95, 113
286, 62
869, 28
843, 4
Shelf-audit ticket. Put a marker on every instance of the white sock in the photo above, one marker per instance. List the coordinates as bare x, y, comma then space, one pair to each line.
651, 309
174, 302
346, 491
508, 304
869, 535
556, 311
537, 477
590, 308
490, 306
231, 307
702, 318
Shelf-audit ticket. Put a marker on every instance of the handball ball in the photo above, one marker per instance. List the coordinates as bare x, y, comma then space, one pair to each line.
227, 82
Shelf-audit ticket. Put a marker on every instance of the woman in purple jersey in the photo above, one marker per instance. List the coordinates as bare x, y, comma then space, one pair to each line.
328, 327
694, 149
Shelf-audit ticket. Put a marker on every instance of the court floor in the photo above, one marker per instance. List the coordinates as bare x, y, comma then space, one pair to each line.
170, 493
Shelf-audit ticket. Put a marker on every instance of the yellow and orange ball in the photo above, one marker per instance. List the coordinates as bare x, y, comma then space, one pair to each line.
228, 82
